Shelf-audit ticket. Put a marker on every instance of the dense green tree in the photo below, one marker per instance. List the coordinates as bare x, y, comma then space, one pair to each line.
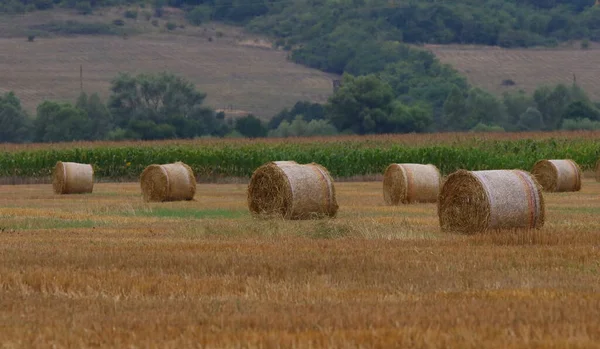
100, 120
59, 122
362, 104
15, 125
309, 111
251, 126
455, 111
155, 106
516, 104
531, 120
485, 108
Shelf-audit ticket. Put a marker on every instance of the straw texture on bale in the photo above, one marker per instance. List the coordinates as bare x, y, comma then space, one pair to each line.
558, 175
410, 183
477, 201
292, 191
168, 182
72, 178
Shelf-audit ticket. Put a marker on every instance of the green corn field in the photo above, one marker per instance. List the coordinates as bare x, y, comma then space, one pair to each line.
342, 157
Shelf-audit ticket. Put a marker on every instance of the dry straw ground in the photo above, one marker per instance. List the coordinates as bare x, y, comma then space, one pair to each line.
108, 270
235, 70
488, 67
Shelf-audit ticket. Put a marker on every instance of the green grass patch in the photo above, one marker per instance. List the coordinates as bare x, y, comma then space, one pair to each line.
49, 223
164, 212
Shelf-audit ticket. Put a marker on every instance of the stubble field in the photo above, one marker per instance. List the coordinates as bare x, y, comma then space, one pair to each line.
108, 270
487, 67
241, 73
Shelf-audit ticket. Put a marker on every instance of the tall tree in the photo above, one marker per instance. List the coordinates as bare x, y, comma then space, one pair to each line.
58, 122
162, 105
362, 104
15, 125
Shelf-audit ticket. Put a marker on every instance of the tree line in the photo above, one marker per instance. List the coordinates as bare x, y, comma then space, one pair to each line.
166, 106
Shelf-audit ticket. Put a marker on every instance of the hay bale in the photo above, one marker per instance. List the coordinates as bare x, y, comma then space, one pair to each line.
168, 182
557, 175
72, 178
292, 191
410, 183
477, 201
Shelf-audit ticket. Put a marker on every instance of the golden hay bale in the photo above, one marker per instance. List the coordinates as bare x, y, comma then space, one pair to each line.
476, 201
72, 178
557, 175
408, 183
168, 182
292, 191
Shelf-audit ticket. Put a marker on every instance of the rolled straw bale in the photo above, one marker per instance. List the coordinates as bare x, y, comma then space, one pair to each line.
292, 191
557, 175
408, 183
72, 178
168, 182
477, 201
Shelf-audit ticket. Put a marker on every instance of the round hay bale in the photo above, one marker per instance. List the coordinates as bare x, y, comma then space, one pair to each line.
477, 201
72, 178
557, 175
410, 183
292, 191
168, 182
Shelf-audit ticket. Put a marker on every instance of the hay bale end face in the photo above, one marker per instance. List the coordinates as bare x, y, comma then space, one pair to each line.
292, 191
72, 178
168, 182
558, 175
411, 183
477, 201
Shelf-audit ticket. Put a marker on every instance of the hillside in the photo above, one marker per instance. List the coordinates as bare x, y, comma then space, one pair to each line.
236, 70
491, 67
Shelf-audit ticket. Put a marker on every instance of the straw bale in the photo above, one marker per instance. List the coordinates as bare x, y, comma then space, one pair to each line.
411, 183
477, 201
558, 175
292, 191
72, 178
168, 182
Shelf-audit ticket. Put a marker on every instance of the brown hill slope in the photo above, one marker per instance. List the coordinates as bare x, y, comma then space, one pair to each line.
236, 70
489, 67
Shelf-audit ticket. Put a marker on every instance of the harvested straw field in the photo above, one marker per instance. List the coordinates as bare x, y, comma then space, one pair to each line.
498, 69
110, 270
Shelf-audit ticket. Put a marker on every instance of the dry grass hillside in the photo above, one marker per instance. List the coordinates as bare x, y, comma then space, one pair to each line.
236, 70
488, 67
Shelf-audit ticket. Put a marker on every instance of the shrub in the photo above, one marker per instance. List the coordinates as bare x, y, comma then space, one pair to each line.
585, 44
132, 14
171, 26
84, 8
